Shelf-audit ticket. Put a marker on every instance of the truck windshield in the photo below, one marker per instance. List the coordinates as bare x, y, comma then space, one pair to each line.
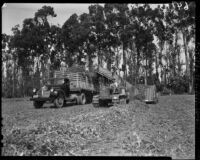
116, 91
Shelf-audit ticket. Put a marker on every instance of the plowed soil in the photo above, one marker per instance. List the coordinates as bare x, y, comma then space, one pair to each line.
137, 129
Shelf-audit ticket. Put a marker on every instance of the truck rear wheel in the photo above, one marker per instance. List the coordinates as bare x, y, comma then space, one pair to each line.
37, 104
59, 101
127, 101
82, 99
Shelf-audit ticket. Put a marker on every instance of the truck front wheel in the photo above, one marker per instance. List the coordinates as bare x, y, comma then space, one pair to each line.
127, 101
37, 104
59, 101
82, 99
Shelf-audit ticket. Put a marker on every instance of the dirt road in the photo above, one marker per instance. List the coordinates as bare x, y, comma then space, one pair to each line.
167, 128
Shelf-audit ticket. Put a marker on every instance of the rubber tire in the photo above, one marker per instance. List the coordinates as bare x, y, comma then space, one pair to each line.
56, 103
37, 104
83, 99
127, 101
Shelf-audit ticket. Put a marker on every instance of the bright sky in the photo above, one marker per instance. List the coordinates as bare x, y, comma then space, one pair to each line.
15, 13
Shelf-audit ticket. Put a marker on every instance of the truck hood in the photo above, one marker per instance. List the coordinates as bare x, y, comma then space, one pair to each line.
48, 88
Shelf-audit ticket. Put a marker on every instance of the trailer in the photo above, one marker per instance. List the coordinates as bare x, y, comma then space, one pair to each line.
72, 85
151, 96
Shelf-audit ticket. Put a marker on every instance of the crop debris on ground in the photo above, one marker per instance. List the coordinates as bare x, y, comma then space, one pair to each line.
136, 129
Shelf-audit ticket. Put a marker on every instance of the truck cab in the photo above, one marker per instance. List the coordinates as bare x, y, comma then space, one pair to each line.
52, 92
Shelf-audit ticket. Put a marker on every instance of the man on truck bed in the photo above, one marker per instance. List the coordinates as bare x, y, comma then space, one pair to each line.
66, 86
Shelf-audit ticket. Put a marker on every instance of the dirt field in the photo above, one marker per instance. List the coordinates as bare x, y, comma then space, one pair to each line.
137, 129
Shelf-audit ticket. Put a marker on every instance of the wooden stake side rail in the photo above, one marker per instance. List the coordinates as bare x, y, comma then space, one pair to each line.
77, 80
150, 93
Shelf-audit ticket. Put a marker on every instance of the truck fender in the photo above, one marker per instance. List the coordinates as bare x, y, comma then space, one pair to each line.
60, 92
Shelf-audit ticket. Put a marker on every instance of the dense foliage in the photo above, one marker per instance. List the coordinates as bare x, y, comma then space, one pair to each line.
136, 39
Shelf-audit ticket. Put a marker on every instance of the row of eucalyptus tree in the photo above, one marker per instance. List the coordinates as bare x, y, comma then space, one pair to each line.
147, 39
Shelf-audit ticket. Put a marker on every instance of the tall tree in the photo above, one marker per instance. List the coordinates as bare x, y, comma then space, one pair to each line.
185, 20
44, 29
141, 20
111, 37
87, 38
123, 31
160, 32
68, 38
97, 26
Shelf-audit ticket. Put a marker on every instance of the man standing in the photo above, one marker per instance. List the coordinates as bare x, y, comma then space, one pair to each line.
66, 86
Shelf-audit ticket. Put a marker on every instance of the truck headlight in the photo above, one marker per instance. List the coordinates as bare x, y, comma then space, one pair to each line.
115, 97
51, 90
34, 90
55, 92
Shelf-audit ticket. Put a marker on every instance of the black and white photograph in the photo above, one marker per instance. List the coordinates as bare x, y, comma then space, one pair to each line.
98, 79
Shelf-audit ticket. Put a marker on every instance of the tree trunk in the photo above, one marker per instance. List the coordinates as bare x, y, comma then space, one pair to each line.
165, 77
24, 81
174, 54
138, 64
14, 78
191, 80
186, 53
160, 58
98, 56
134, 69
160, 55
124, 60
132, 65
117, 60
179, 62
43, 70
145, 79
156, 61
79, 57
89, 62
109, 60
186, 56
150, 71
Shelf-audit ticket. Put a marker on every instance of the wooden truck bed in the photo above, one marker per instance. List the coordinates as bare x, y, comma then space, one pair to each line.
78, 80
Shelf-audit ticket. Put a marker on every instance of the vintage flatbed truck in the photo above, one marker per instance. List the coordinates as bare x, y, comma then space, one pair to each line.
80, 88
